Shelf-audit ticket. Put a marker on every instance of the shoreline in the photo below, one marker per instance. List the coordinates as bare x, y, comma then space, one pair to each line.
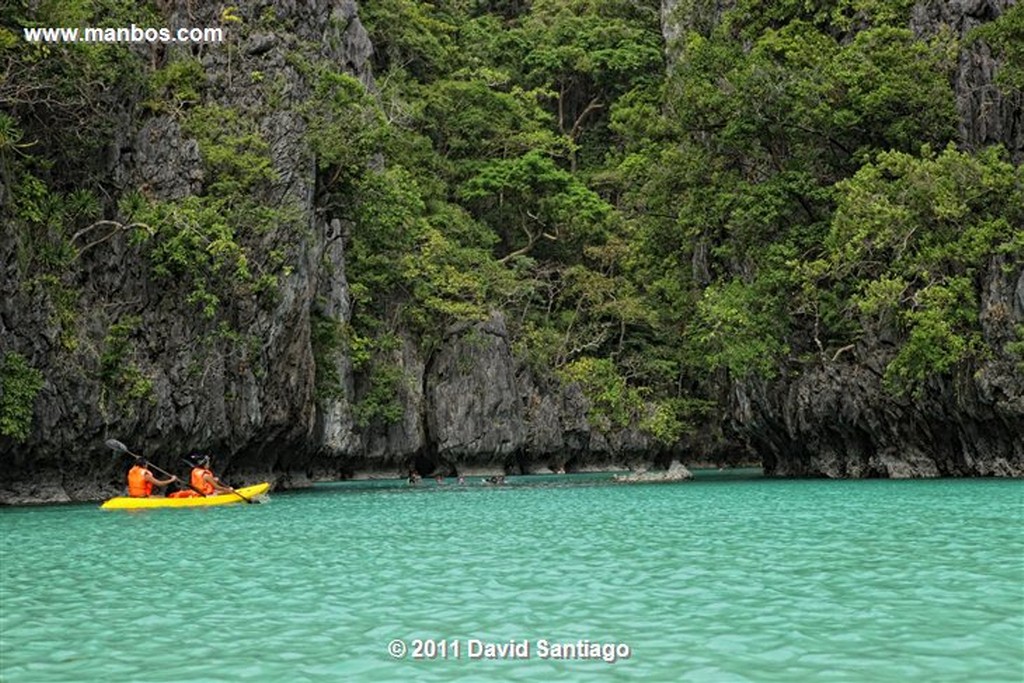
49, 492
39, 494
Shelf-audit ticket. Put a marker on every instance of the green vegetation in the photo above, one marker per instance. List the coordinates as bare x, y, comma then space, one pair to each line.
496, 192
1016, 347
203, 239
119, 370
327, 336
177, 85
790, 185
1005, 36
381, 403
19, 385
911, 236
614, 402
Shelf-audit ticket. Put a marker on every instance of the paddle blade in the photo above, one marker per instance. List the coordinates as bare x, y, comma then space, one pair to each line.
116, 445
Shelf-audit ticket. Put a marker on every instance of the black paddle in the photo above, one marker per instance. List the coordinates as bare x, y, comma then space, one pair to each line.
118, 446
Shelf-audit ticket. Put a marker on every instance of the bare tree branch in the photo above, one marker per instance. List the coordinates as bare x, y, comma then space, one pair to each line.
116, 228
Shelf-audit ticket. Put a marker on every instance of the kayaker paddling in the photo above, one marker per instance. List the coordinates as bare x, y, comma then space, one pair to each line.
140, 485
141, 481
203, 479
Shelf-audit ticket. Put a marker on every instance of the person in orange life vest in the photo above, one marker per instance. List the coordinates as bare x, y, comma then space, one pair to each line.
141, 481
203, 478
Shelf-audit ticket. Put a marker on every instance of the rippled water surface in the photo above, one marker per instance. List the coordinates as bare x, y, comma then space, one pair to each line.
727, 578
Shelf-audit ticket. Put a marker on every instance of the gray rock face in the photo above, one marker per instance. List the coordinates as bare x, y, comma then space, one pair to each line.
334, 432
349, 42
250, 399
558, 429
987, 116
561, 437
680, 16
473, 403
399, 443
676, 471
247, 391
836, 419
163, 162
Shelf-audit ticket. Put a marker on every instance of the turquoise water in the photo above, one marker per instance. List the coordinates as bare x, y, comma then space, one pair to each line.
727, 578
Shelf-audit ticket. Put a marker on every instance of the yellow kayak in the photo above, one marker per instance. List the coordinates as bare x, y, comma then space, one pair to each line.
126, 503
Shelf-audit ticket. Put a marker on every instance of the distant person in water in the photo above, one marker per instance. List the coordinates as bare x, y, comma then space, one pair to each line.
141, 481
414, 477
498, 480
439, 479
203, 479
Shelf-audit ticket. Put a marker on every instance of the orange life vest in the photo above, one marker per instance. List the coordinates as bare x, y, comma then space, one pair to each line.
138, 487
199, 482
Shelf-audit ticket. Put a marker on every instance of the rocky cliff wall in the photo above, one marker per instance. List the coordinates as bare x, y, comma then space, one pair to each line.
835, 418
248, 391
988, 116
242, 384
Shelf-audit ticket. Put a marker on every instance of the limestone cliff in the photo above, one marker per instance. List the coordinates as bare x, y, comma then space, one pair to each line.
240, 384
128, 353
834, 417
988, 116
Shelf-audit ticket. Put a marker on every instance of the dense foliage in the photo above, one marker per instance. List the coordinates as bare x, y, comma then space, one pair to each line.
19, 385
777, 193
789, 185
